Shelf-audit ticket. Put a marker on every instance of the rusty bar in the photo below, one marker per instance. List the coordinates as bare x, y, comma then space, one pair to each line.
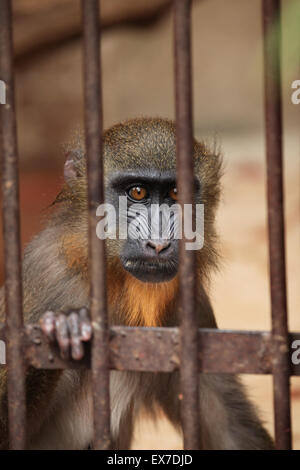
158, 350
185, 182
273, 119
11, 236
97, 263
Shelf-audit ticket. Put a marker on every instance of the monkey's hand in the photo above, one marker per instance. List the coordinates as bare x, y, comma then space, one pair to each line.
69, 331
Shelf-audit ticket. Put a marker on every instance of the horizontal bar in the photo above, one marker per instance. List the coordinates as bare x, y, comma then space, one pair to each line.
158, 349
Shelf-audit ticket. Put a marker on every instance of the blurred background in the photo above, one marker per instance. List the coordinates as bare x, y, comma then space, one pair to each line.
228, 109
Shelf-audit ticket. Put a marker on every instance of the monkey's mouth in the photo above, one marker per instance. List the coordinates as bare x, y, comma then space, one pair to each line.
151, 269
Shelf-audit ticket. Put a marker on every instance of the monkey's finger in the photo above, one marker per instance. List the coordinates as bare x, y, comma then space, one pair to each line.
85, 325
62, 335
77, 350
47, 322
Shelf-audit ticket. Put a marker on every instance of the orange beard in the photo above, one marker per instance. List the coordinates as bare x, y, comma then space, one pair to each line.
139, 303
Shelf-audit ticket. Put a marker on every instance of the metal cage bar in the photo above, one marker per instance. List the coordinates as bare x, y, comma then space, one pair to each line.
97, 262
11, 236
158, 349
187, 259
273, 122
148, 349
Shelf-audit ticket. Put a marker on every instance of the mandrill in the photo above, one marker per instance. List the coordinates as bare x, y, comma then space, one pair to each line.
139, 165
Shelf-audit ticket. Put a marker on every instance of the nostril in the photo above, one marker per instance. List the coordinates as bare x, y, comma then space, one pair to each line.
159, 245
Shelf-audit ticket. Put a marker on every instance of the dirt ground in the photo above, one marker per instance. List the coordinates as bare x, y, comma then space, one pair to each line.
228, 109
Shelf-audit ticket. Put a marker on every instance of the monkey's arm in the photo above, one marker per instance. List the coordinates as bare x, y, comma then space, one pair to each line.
229, 419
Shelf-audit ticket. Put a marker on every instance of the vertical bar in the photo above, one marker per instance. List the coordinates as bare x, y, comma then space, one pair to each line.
97, 262
11, 236
185, 181
273, 117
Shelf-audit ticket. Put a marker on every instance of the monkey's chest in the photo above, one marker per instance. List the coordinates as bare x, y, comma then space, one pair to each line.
69, 424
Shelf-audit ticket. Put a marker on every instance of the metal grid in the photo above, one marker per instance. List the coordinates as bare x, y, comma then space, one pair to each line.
148, 349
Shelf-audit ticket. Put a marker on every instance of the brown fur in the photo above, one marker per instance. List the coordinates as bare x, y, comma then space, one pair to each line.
55, 276
75, 253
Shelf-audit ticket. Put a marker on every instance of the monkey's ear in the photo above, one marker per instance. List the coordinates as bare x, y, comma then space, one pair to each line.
70, 170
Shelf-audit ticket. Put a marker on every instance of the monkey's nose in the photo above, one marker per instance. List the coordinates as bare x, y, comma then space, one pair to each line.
159, 245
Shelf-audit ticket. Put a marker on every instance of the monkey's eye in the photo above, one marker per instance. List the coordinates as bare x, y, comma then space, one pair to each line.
173, 194
138, 193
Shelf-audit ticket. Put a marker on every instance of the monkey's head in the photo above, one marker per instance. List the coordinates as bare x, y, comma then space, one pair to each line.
140, 193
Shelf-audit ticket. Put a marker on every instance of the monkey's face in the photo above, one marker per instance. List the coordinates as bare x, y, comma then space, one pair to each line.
147, 222
140, 174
